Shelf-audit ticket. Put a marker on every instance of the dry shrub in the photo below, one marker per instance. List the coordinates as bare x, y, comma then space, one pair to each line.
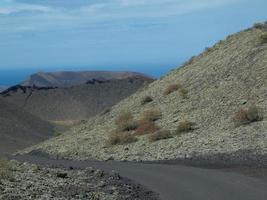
184, 126
160, 135
183, 92
125, 121
146, 127
146, 99
171, 88
5, 169
258, 25
116, 138
106, 111
152, 115
254, 114
190, 61
240, 117
246, 116
263, 37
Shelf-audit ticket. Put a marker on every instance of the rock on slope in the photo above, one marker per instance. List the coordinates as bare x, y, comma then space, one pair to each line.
71, 104
229, 76
19, 129
68, 78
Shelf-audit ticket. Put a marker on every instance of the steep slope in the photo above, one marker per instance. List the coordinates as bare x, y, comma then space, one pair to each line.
70, 104
19, 129
2, 88
213, 86
68, 78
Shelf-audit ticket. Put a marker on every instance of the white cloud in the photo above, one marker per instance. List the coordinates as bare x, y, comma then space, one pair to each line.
149, 8
118, 8
9, 7
46, 17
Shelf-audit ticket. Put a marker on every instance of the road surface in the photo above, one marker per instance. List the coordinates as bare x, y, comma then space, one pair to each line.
173, 182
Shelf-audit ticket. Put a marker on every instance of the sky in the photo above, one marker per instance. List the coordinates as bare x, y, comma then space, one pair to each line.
151, 36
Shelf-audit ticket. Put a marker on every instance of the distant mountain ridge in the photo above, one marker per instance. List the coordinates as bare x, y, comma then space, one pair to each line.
2, 88
78, 102
71, 78
27, 110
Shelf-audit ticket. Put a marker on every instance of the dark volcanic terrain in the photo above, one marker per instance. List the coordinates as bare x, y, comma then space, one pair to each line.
68, 78
2, 88
71, 104
19, 129
28, 112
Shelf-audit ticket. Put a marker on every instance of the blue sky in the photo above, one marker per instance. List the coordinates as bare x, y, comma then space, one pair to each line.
152, 36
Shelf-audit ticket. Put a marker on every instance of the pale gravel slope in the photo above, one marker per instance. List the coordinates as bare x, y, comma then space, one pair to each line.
220, 81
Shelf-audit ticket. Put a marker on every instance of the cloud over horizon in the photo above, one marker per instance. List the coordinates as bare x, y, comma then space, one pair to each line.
58, 13
116, 32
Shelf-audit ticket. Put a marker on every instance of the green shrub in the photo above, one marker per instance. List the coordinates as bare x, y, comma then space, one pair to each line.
5, 169
184, 126
146, 99
125, 122
160, 135
246, 116
171, 88
117, 138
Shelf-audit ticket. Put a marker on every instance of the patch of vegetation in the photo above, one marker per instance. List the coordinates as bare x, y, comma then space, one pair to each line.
247, 116
56, 134
106, 111
171, 88
184, 126
207, 49
152, 115
160, 135
263, 37
62, 175
184, 93
146, 127
258, 25
118, 138
123, 133
176, 87
146, 99
190, 61
5, 169
125, 122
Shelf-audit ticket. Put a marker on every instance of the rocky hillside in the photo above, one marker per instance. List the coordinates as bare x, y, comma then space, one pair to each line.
214, 103
26, 181
68, 78
71, 104
19, 129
